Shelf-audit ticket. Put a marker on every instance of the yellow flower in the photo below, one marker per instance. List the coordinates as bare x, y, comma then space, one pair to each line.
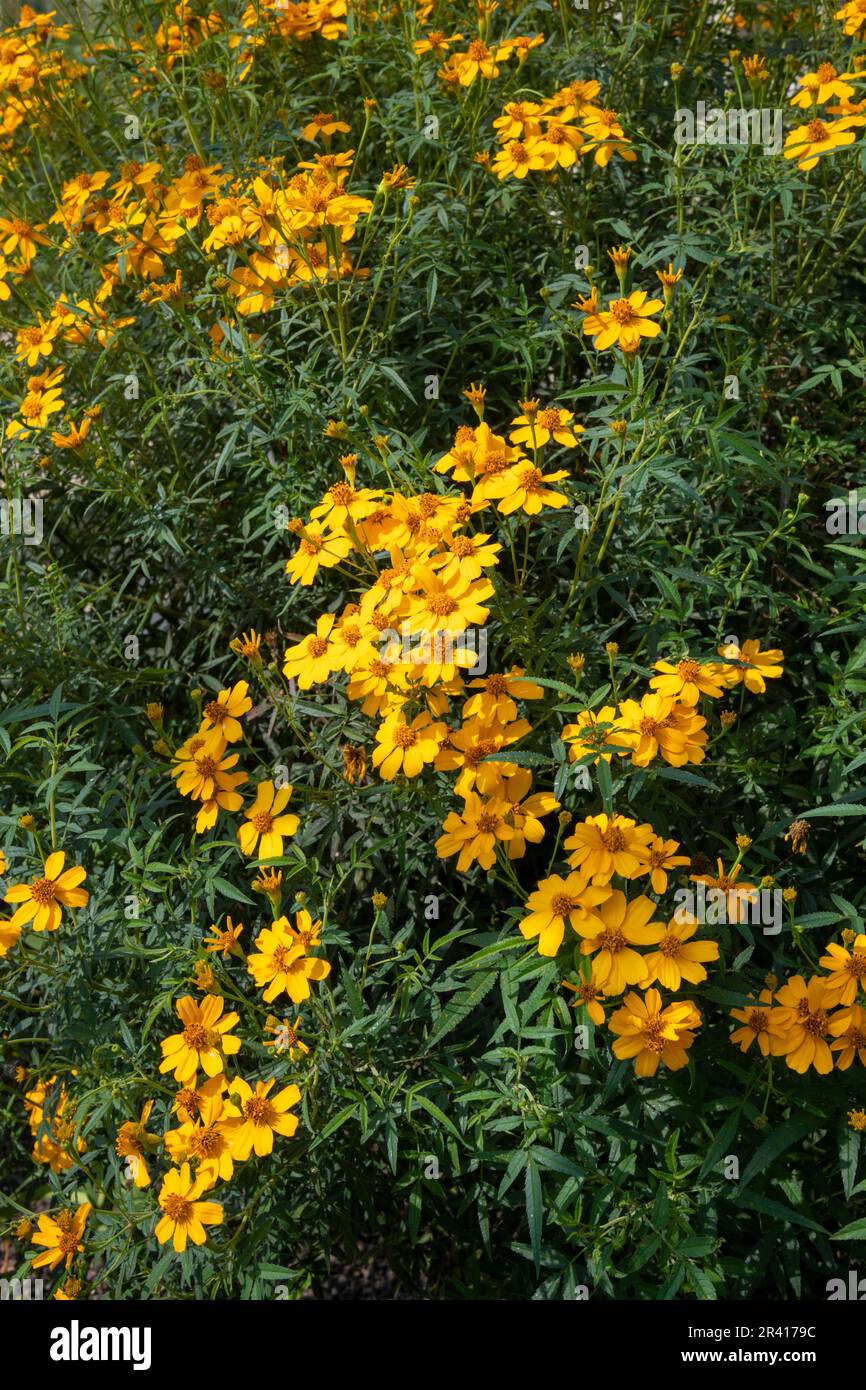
279, 962
266, 822
619, 926
559, 900
285, 1037
203, 768
41, 899
848, 969
687, 680
588, 735
659, 725
676, 957
761, 1023
473, 833
651, 1034
61, 1236
738, 895
225, 939
848, 1027
8, 937
537, 427
205, 1041
750, 665
318, 549
248, 645
807, 143
524, 487
256, 1116
804, 1014
590, 996
656, 858
624, 322
602, 846
224, 713
183, 1215
312, 660
406, 747
132, 1140
857, 1119
820, 86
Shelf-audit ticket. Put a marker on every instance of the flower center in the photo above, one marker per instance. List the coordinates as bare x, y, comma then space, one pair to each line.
43, 891
317, 646
177, 1208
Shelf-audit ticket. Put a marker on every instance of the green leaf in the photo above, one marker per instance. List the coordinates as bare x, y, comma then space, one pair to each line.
534, 1209
782, 1138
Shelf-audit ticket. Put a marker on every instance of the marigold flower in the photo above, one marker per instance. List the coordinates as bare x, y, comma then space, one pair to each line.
762, 1024
184, 1216
204, 1042
256, 1116
62, 1237
651, 1034
604, 845
805, 1013
131, 1143
41, 899
267, 823
559, 900
279, 961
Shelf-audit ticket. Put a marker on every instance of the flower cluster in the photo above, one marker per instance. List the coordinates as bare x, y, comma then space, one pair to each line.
807, 1021
555, 133
481, 58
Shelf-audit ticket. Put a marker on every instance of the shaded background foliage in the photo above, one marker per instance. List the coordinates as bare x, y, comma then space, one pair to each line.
447, 1039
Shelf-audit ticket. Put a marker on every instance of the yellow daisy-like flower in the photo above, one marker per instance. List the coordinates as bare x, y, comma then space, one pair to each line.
624, 322
256, 1116
406, 747
225, 712
559, 900
41, 900
676, 957
688, 680
762, 1024
184, 1217
131, 1143
205, 1041
618, 928
537, 427
8, 937
805, 1013
524, 488
750, 665
473, 833
279, 962
848, 969
820, 86
285, 1037
808, 143
848, 1028
603, 846
656, 859
61, 1236
590, 996
651, 1034
266, 822
312, 660
225, 939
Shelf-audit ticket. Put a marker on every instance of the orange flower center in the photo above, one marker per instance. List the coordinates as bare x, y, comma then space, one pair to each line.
43, 891
317, 646
817, 131
263, 822
259, 1110
177, 1208
404, 737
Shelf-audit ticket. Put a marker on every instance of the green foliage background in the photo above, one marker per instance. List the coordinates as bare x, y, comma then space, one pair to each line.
449, 1038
